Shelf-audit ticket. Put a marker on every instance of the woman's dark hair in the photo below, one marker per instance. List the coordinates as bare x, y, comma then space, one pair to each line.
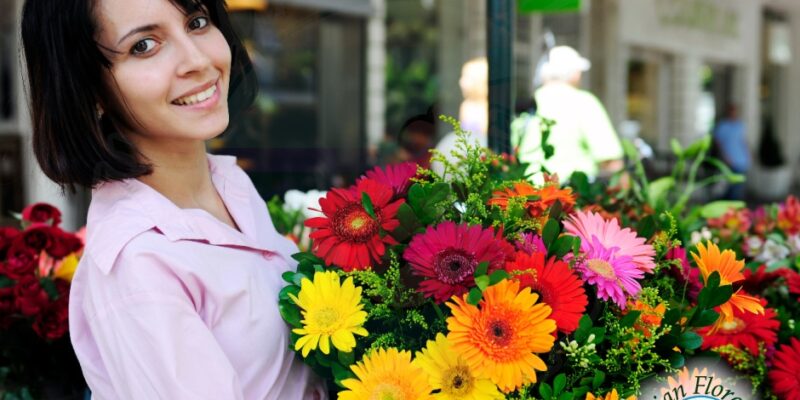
72, 145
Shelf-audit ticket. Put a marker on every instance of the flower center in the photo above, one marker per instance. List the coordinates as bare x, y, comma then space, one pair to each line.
735, 326
325, 318
387, 391
457, 381
453, 266
499, 332
354, 224
602, 268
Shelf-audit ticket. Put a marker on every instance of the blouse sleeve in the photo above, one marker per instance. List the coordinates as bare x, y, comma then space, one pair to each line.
153, 343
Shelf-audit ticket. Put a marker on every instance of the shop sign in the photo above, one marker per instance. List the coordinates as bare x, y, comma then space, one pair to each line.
525, 6
702, 15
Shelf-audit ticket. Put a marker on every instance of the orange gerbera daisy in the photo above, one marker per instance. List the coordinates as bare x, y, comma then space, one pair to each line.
500, 338
730, 271
539, 199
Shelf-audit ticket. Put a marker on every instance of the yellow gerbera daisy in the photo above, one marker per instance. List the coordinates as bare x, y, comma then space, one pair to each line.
613, 395
387, 374
730, 271
449, 372
331, 313
499, 340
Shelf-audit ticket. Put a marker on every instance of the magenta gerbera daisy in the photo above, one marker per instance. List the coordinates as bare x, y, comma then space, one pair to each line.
348, 236
448, 254
398, 176
613, 275
588, 225
531, 243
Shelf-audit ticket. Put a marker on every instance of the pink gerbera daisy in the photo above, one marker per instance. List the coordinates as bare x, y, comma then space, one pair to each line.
613, 274
448, 254
588, 225
397, 176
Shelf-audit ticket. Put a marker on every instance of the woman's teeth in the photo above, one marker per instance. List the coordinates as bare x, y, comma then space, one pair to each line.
196, 98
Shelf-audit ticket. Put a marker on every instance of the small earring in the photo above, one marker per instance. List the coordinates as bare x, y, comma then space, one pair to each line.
99, 111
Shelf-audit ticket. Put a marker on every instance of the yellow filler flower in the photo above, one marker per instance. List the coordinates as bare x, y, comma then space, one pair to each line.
331, 313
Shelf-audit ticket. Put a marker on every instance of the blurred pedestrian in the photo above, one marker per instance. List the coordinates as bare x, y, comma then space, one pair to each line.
473, 114
731, 144
417, 139
583, 136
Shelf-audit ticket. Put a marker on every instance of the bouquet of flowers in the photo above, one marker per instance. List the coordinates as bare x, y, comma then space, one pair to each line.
36, 267
765, 346
480, 285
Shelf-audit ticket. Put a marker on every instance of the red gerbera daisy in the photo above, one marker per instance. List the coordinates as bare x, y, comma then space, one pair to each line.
758, 280
745, 331
348, 236
398, 176
792, 281
448, 254
784, 375
558, 286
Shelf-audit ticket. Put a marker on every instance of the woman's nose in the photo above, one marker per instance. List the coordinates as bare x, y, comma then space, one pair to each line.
192, 57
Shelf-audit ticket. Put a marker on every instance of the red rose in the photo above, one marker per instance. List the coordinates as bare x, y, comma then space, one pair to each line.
62, 287
53, 323
63, 243
22, 261
31, 297
7, 235
42, 213
38, 236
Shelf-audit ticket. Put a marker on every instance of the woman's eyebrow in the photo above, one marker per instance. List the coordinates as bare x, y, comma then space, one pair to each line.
144, 28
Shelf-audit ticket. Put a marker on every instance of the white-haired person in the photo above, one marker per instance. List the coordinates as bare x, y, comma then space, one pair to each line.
583, 136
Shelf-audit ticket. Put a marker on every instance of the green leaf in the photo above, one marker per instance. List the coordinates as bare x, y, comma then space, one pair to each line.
346, 358
716, 209
6, 282
675, 145
482, 282
288, 276
647, 227
690, 340
307, 257
580, 182
704, 318
425, 200
481, 269
720, 296
340, 373
323, 359
497, 276
584, 325
555, 210
676, 360
629, 319
409, 223
671, 317
290, 313
700, 145
366, 202
559, 383
550, 232
658, 190
598, 379
545, 391
474, 296
576, 245
562, 246
284, 293
49, 287
566, 396
713, 280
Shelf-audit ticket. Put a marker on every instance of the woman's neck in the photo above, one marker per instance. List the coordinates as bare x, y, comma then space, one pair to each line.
181, 174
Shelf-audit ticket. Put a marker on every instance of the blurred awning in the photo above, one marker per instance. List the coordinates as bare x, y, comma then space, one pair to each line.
241, 5
543, 6
362, 8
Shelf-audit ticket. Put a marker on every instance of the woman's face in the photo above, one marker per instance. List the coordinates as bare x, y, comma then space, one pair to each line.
171, 71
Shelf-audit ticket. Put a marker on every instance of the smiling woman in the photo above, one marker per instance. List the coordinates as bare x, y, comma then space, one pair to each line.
174, 297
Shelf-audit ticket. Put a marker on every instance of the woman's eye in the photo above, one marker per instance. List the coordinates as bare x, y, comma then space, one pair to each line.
143, 46
198, 23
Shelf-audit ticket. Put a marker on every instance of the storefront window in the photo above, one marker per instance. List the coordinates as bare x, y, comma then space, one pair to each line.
305, 129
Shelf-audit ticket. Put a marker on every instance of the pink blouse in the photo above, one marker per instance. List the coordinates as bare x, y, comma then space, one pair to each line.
171, 303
